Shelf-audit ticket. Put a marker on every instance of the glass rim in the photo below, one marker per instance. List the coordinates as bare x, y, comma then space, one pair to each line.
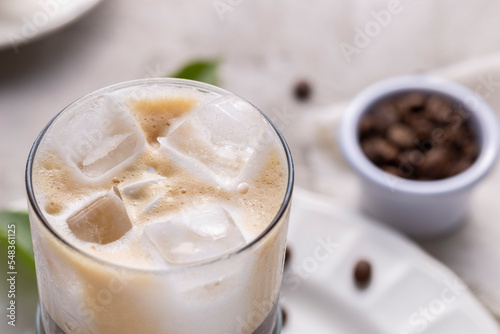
162, 81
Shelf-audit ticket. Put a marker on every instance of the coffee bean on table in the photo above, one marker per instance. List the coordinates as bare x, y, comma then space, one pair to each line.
302, 90
284, 316
362, 273
288, 255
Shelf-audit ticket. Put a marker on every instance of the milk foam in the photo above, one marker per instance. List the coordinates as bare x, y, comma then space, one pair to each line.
61, 190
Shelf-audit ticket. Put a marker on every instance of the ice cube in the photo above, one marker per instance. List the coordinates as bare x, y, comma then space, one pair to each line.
218, 140
153, 204
99, 137
136, 189
195, 235
102, 221
144, 196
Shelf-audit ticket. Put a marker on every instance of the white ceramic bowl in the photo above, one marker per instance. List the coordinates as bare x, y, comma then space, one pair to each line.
419, 208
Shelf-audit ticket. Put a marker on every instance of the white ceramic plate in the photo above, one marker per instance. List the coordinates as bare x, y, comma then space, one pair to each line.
23, 21
409, 292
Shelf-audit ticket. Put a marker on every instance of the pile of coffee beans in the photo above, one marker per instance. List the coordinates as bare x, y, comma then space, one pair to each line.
419, 136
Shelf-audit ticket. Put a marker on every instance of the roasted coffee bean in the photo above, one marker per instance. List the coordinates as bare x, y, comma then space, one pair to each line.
462, 139
288, 254
379, 150
451, 134
366, 125
422, 127
434, 163
460, 166
470, 150
413, 157
413, 102
302, 90
362, 273
385, 116
439, 109
284, 316
401, 135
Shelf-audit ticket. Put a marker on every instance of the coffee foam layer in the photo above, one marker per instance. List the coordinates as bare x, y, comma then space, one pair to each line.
61, 191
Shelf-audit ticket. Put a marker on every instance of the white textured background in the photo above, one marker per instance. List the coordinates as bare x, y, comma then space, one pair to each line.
265, 46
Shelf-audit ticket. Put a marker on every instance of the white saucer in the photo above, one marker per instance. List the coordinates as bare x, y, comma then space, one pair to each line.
23, 21
410, 292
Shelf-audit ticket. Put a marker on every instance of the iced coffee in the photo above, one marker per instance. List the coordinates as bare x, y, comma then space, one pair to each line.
159, 206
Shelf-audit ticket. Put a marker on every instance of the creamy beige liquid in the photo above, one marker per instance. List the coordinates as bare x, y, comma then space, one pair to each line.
152, 301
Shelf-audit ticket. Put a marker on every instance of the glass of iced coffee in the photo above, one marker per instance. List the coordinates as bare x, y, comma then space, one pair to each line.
159, 206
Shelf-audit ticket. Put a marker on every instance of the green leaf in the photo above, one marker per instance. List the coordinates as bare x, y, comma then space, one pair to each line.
204, 71
23, 244
25, 293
